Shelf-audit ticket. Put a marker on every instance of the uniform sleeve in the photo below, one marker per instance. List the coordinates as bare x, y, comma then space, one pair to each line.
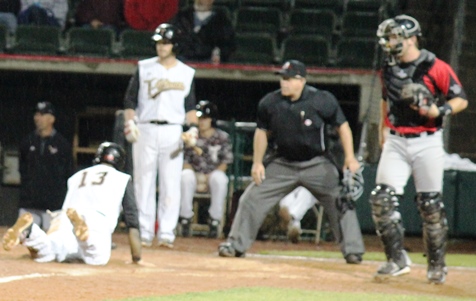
262, 120
132, 92
331, 111
190, 100
129, 206
226, 153
446, 80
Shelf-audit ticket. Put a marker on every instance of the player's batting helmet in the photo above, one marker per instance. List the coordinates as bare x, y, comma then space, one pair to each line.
167, 33
111, 153
206, 108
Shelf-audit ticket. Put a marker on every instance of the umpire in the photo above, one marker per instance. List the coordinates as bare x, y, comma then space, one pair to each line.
295, 117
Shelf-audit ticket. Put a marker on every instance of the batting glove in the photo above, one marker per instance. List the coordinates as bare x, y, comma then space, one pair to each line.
131, 131
190, 137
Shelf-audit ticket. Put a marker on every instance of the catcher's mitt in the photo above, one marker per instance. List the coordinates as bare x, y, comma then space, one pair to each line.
417, 95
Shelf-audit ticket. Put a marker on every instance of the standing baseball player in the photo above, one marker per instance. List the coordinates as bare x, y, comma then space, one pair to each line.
88, 218
411, 136
159, 99
295, 116
206, 172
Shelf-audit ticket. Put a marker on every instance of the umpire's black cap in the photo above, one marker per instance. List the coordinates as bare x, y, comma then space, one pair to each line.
45, 107
293, 68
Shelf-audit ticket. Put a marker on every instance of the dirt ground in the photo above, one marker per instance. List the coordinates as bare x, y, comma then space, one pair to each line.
193, 266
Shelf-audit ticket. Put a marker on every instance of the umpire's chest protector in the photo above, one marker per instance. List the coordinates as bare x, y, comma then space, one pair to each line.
162, 91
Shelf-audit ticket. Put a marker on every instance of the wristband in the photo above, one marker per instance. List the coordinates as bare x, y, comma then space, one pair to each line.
445, 110
136, 258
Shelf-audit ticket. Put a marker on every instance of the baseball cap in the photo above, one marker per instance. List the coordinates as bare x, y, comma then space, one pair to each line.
45, 107
292, 68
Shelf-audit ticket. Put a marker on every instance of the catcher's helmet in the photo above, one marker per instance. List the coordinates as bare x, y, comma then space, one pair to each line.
352, 185
169, 33
206, 108
403, 26
111, 153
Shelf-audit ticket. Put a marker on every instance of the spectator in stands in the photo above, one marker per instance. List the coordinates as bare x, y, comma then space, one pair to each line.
205, 172
148, 14
9, 10
43, 12
101, 14
208, 34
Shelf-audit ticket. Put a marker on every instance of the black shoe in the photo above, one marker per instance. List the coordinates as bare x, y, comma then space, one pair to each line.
185, 224
225, 249
353, 259
213, 225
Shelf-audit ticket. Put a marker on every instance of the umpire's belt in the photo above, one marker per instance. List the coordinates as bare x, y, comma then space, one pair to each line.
159, 122
411, 135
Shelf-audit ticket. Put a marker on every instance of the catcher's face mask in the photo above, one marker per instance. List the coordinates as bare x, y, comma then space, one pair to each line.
391, 37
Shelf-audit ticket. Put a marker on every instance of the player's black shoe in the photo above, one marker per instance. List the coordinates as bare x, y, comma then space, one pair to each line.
185, 224
213, 226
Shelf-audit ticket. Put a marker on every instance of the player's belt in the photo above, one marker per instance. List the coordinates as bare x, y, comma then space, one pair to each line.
159, 122
411, 135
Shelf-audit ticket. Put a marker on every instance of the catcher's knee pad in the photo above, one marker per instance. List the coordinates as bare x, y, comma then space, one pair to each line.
435, 225
388, 222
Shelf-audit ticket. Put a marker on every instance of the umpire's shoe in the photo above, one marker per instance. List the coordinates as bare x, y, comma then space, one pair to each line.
353, 258
18, 232
225, 249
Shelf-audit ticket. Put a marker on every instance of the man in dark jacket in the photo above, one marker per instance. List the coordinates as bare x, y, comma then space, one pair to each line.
207, 33
46, 163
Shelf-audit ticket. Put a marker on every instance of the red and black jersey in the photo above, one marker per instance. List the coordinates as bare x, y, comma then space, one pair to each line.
436, 75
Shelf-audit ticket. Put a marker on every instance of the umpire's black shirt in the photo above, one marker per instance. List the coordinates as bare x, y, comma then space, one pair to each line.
298, 127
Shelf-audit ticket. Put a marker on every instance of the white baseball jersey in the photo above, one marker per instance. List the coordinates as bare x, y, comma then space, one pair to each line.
155, 79
97, 189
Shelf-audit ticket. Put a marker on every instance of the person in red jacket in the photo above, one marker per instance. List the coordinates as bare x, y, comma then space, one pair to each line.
101, 14
148, 14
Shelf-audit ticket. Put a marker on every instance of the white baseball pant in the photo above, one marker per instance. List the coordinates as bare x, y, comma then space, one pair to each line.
152, 156
218, 187
422, 157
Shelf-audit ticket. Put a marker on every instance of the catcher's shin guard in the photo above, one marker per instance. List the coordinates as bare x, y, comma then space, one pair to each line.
435, 233
388, 222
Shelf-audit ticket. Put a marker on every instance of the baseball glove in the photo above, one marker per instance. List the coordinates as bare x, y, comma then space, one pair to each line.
417, 95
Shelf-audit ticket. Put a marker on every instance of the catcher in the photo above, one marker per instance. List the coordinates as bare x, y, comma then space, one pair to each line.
411, 134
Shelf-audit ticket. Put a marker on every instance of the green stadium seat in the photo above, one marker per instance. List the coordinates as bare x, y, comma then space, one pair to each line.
360, 24
311, 50
312, 21
255, 48
30, 39
258, 19
356, 53
90, 42
3, 38
136, 44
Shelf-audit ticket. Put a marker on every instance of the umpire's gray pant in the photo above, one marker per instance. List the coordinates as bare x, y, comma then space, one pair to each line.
318, 175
